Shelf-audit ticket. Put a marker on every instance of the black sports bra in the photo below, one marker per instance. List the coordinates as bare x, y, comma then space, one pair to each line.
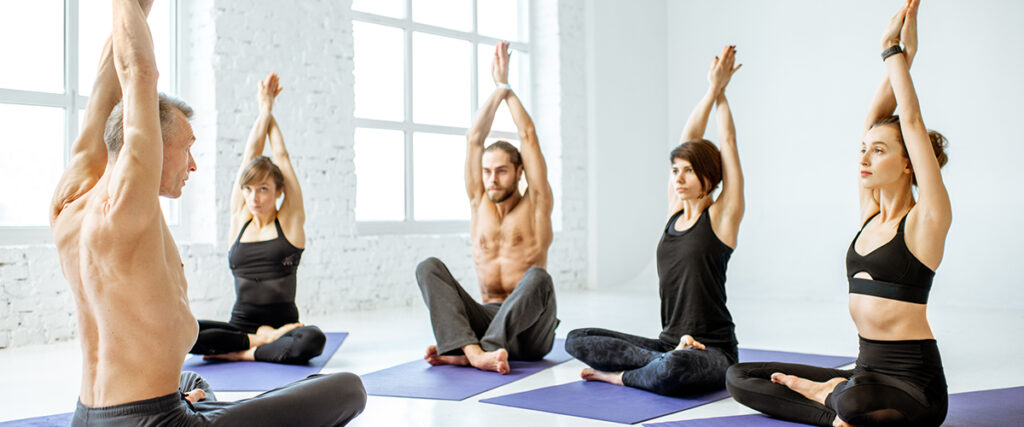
895, 272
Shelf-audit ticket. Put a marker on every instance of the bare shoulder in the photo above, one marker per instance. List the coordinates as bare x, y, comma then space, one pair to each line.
725, 225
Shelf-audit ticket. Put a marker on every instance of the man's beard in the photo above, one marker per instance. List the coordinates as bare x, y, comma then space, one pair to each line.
499, 196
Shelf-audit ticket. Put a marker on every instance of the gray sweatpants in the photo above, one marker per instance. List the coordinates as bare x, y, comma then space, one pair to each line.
524, 324
318, 400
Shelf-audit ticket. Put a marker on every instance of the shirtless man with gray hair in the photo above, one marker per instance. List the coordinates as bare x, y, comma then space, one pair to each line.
124, 269
511, 233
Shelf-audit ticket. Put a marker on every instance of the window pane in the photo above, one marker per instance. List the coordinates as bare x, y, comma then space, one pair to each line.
454, 14
380, 83
440, 80
392, 8
500, 19
439, 174
170, 210
34, 158
518, 78
94, 25
380, 175
33, 46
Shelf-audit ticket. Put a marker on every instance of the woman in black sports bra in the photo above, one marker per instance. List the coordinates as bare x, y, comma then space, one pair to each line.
697, 342
898, 379
264, 256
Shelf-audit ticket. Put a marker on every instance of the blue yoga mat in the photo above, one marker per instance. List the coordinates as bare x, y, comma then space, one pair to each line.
420, 380
627, 405
56, 420
260, 376
986, 408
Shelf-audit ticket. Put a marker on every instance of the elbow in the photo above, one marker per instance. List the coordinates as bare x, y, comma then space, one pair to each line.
528, 133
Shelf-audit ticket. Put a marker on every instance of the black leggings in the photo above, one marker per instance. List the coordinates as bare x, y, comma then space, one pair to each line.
296, 347
651, 364
894, 383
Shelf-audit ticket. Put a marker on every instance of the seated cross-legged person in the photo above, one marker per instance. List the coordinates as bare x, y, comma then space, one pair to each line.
511, 233
697, 343
124, 269
890, 264
264, 255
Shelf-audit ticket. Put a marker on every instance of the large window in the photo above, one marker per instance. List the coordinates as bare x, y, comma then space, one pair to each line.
422, 67
50, 51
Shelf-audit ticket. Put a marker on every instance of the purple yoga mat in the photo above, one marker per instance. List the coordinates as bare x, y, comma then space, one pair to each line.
627, 405
260, 376
986, 408
56, 420
420, 380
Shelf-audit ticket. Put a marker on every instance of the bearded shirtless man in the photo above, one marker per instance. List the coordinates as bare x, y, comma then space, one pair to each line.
124, 269
511, 233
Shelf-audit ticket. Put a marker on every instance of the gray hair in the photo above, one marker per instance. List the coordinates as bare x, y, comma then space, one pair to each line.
113, 133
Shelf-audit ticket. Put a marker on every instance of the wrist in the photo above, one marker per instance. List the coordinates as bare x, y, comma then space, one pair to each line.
502, 86
891, 51
887, 43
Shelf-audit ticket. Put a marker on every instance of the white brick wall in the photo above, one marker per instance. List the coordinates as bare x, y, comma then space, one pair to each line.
226, 47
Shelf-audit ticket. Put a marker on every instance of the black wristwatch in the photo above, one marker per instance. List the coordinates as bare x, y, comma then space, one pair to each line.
892, 50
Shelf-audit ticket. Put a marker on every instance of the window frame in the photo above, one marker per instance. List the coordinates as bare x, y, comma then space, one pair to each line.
408, 127
74, 103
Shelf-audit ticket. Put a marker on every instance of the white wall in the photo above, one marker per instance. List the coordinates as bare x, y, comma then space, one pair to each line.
628, 103
809, 71
226, 46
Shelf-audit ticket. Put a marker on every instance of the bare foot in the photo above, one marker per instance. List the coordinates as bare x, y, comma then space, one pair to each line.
595, 375
436, 359
810, 389
496, 360
267, 334
195, 395
249, 354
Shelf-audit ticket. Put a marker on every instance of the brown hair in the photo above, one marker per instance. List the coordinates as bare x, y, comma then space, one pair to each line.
939, 142
113, 132
260, 169
508, 148
705, 159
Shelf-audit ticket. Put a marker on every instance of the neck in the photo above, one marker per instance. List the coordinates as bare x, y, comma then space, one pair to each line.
693, 207
263, 220
508, 204
895, 200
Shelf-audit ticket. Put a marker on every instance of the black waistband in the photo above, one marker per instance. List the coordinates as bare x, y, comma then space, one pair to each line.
895, 291
156, 405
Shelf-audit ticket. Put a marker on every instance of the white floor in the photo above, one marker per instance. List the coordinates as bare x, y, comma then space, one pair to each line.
981, 349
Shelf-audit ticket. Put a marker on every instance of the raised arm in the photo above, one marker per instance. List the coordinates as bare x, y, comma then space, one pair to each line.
730, 203
267, 90
89, 157
292, 213
482, 127
883, 104
933, 204
697, 123
534, 166
134, 183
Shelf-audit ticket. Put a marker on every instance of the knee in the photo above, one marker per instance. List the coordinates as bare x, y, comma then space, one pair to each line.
349, 390
427, 267
309, 343
735, 381
574, 342
537, 279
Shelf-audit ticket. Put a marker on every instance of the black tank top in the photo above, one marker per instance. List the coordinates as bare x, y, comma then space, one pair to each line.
895, 272
691, 272
264, 271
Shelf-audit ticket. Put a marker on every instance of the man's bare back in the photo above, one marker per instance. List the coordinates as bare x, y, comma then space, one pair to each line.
115, 250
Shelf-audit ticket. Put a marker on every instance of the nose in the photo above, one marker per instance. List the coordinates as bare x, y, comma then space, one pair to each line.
192, 166
864, 159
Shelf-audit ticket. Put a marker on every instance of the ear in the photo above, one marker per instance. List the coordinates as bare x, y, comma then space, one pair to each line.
519, 172
280, 192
